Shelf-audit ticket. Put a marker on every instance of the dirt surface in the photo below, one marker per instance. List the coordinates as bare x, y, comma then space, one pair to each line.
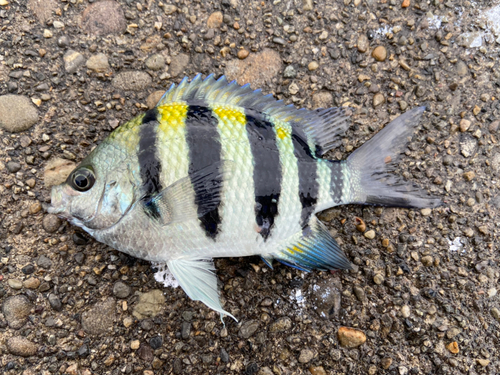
422, 298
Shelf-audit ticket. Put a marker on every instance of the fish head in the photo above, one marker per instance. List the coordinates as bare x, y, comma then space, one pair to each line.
96, 194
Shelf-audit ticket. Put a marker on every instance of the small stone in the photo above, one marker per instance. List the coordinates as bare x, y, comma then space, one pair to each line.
495, 313
169, 9
98, 63
13, 166
243, 54
155, 62
265, 371
453, 347
57, 171
156, 342
72, 61
317, 370
215, 20
290, 72
462, 69
47, 34
224, 356
326, 297
185, 330
35, 208
386, 362
306, 355
313, 65
322, 99
128, 321
103, 18
378, 99
21, 346
483, 362
99, 318
425, 211
153, 98
15, 284
402, 105
149, 304
135, 344
493, 127
31, 283
63, 41
58, 25
16, 310
464, 125
121, 290
452, 332
378, 279
248, 328
132, 81
17, 113
427, 260
43, 261
405, 4
363, 43
405, 311
258, 69
281, 325
370, 234
469, 176
350, 337
178, 64
379, 53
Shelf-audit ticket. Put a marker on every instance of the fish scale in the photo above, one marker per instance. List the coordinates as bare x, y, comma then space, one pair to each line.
218, 170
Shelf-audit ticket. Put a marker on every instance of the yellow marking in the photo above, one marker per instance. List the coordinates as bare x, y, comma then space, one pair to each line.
230, 116
127, 135
294, 249
172, 116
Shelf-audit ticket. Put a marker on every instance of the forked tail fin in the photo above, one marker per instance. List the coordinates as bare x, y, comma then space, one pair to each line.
370, 168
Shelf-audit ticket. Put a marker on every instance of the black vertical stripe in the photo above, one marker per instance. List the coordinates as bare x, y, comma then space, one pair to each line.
204, 149
149, 163
308, 183
267, 173
337, 183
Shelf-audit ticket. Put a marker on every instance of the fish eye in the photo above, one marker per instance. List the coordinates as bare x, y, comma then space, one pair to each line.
82, 179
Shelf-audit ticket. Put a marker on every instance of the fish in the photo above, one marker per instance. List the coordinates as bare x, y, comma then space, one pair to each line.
221, 170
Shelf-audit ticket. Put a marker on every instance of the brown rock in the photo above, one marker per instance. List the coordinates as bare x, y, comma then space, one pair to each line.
31, 283
215, 20
243, 54
386, 362
257, 69
379, 53
406, 4
153, 98
17, 113
363, 43
35, 208
21, 346
493, 127
178, 64
57, 170
378, 99
16, 310
103, 18
149, 305
464, 125
100, 318
42, 9
322, 99
350, 337
317, 370
453, 347
469, 176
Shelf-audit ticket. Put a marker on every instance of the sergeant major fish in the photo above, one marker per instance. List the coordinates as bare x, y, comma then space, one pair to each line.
219, 170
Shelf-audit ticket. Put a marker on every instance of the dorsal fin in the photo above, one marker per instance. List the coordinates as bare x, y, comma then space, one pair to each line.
323, 127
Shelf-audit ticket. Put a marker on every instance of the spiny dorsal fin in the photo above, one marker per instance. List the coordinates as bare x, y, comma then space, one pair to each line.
323, 127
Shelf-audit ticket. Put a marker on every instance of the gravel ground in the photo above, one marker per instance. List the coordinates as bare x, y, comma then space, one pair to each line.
422, 298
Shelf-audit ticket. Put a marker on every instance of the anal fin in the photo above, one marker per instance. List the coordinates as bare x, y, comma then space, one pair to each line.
313, 248
199, 281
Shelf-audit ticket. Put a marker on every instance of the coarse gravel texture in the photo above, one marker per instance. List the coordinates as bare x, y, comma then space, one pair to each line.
422, 298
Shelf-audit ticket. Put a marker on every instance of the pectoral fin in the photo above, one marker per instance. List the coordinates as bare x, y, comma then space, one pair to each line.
199, 281
175, 203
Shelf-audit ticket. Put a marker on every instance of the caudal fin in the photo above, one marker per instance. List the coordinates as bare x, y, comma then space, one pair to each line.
370, 168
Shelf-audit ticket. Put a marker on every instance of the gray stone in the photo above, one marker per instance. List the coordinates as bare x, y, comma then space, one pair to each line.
100, 318
21, 346
15, 284
281, 325
178, 64
132, 81
13, 166
306, 355
98, 63
44, 261
185, 330
72, 61
258, 69
103, 18
149, 305
17, 113
16, 310
462, 68
55, 302
290, 72
248, 328
121, 290
155, 62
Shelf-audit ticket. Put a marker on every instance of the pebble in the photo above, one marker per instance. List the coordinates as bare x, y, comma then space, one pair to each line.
462, 69
128, 321
58, 25
133, 80
265, 371
51, 223
15, 284
351, 337
121, 290
63, 41
257, 69
427, 260
155, 62
35, 208
425, 211
47, 34
31, 283
469, 176
317, 370
370, 234
178, 64
363, 43
248, 328
149, 304
243, 54
313, 65
290, 72
402, 105
17, 113
405, 4
326, 297
57, 171
386, 362
135, 344
98, 63
153, 98
16, 310
103, 18
185, 330
44, 261
378, 99
13, 166
379, 53
322, 99
464, 125
215, 20
483, 362
156, 342
306, 356
493, 127
495, 313
378, 279
405, 311
28, 269
453, 347
169, 9
72, 61
21, 346
99, 318
281, 325
55, 302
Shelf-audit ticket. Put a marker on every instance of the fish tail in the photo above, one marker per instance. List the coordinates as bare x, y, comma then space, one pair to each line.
369, 168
